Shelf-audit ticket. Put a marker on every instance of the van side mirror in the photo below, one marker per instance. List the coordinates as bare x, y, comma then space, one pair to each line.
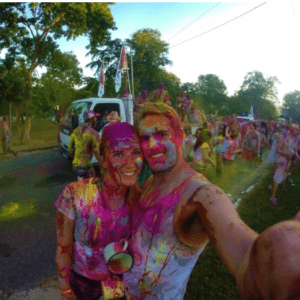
75, 121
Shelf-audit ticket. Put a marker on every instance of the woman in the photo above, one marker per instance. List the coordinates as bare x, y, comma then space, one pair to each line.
203, 151
94, 213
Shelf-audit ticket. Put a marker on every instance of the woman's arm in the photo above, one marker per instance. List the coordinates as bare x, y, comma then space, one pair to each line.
64, 254
206, 158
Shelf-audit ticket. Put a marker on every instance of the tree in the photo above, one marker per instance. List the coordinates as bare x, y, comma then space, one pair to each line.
213, 92
109, 53
291, 106
30, 30
13, 87
56, 88
150, 56
260, 92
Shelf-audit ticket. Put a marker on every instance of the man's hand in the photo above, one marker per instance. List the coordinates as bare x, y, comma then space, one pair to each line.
274, 264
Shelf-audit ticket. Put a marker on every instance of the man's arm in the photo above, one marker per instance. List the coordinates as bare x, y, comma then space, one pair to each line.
64, 252
265, 266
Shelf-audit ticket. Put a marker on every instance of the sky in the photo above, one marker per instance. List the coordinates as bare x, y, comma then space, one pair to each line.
266, 39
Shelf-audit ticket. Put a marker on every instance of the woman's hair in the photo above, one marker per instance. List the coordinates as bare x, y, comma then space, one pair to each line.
204, 138
165, 110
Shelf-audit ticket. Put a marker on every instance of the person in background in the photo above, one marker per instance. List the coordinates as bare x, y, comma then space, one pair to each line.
58, 121
251, 143
6, 138
187, 107
113, 117
283, 164
188, 143
180, 105
167, 100
159, 94
143, 98
232, 147
94, 213
202, 150
84, 143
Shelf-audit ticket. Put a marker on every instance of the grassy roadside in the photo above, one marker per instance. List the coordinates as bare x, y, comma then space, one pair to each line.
210, 280
43, 134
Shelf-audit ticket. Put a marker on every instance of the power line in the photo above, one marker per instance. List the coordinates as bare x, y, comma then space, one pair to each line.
194, 21
219, 25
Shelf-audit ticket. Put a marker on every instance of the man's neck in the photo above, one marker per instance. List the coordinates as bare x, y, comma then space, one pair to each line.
170, 175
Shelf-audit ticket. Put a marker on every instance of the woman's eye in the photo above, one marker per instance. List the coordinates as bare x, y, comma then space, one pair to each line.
118, 154
137, 153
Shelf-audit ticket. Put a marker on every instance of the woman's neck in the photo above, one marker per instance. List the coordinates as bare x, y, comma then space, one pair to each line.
110, 187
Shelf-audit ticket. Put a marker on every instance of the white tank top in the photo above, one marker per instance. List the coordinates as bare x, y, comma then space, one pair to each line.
162, 264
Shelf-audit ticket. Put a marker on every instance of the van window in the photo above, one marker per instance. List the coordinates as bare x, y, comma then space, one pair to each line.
77, 108
105, 108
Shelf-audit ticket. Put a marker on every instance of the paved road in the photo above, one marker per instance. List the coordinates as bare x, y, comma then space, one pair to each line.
29, 187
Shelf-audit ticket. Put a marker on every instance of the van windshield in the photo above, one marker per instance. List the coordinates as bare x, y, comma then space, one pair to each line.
77, 108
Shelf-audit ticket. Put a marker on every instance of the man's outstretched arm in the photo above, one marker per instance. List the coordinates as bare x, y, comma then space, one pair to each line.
266, 266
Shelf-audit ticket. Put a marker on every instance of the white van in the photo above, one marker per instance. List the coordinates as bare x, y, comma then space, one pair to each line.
103, 106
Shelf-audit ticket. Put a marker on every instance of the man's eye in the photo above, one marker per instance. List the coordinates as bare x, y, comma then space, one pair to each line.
162, 134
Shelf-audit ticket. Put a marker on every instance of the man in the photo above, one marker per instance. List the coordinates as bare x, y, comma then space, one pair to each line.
84, 142
180, 211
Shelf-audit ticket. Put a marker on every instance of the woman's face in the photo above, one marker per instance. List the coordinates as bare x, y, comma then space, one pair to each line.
124, 162
198, 133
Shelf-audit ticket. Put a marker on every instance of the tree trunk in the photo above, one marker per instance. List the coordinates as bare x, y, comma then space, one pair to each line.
26, 137
18, 124
27, 126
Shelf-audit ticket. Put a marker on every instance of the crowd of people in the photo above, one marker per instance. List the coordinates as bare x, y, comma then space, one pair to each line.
119, 240
218, 141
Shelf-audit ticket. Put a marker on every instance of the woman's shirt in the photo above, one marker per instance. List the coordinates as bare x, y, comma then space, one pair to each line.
198, 158
96, 225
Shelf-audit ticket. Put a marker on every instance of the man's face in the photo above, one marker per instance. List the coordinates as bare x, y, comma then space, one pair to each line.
160, 145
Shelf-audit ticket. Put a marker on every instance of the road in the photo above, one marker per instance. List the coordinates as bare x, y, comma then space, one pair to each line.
29, 187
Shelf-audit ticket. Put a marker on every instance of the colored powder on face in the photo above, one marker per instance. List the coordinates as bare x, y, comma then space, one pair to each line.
119, 134
139, 162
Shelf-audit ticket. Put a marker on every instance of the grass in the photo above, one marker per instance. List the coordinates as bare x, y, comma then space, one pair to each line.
210, 280
43, 134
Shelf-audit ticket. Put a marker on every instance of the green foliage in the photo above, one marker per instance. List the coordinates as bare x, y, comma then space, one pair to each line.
150, 56
29, 30
291, 106
109, 53
13, 85
57, 86
260, 92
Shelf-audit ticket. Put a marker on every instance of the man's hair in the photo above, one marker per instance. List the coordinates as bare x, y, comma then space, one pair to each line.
167, 111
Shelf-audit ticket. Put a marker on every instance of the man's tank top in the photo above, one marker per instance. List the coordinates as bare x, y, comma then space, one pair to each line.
162, 264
